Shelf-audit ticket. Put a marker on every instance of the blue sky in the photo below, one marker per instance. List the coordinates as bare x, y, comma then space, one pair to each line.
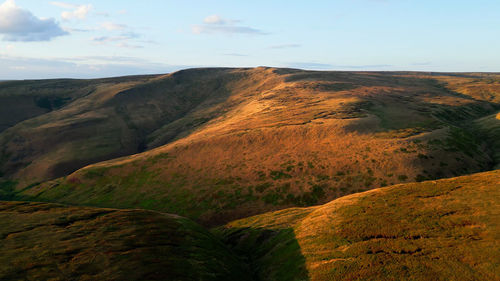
85, 39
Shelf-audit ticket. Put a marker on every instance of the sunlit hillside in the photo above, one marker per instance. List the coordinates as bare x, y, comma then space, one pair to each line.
220, 144
435, 230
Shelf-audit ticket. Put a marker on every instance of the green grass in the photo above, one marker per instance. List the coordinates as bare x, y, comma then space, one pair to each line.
462, 140
277, 175
54, 242
271, 254
488, 129
7, 190
433, 230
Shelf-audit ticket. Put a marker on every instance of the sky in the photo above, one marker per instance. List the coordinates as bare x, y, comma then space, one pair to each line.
89, 39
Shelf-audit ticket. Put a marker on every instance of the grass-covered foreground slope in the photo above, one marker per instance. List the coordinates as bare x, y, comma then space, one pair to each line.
436, 230
285, 137
54, 242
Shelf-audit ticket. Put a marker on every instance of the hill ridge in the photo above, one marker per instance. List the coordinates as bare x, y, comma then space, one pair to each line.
221, 143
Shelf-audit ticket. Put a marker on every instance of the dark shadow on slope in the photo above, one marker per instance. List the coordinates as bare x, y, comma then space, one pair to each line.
7, 190
488, 129
22, 100
272, 254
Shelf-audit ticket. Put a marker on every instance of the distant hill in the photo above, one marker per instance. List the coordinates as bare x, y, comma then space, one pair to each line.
220, 144
24, 99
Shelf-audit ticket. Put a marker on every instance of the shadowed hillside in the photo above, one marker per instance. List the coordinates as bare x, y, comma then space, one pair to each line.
21, 100
54, 242
489, 129
225, 143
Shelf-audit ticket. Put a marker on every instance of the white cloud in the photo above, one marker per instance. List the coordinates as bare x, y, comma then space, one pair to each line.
76, 11
6, 49
217, 24
122, 40
214, 19
113, 26
17, 24
18, 67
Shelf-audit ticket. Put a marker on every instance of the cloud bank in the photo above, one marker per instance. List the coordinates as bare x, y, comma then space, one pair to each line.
76, 11
79, 67
17, 24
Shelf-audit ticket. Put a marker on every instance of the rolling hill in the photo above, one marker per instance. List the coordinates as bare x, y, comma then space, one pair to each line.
434, 230
220, 144
54, 242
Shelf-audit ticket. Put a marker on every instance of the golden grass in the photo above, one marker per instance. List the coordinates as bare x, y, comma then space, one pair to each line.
282, 140
218, 179
435, 230
224, 144
480, 86
221, 101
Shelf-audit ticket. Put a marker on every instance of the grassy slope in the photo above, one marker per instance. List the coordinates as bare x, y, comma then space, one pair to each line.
53, 242
436, 230
63, 112
489, 129
22, 100
116, 118
283, 138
